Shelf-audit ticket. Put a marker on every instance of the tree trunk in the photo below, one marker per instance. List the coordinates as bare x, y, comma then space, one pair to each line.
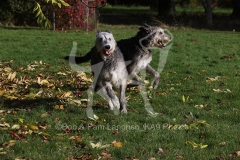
208, 12
236, 9
207, 4
165, 7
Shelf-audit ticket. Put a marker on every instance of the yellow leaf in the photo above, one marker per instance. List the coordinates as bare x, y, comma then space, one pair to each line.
11, 76
7, 69
44, 134
83, 121
16, 126
203, 146
193, 144
76, 138
45, 115
238, 153
1, 93
183, 99
20, 120
33, 127
84, 100
99, 145
117, 144
61, 107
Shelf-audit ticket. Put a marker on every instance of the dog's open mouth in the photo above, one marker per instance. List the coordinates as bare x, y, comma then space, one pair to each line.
161, 44
108, 52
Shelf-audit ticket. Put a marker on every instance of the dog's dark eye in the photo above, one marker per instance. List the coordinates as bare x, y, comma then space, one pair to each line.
160, 33
109, 39
100, 39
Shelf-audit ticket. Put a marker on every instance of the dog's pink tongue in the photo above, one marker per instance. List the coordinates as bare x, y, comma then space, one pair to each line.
108, 52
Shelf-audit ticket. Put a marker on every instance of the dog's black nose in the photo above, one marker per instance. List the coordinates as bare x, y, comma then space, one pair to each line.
107, 47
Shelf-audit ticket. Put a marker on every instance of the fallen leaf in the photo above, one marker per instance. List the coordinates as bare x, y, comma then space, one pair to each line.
99, 145
200, 106
222, 91
160, 151
76, 138
11, 76
231, 56
44, 134
61, 107
20, 120
8, 69
238, 153
4, 124
15, 135
106, 155
15, 126
195, 145
62, 73
222, 143
33, 127
45, 115
9, 144
117, 144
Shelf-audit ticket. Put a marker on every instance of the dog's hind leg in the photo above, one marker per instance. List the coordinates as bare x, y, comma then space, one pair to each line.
155, 74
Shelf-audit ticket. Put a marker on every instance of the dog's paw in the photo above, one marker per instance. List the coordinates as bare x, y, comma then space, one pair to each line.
155, 84
135, 84
124, 110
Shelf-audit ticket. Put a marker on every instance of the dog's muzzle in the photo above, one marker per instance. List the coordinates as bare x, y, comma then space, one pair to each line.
161, 44
107, 49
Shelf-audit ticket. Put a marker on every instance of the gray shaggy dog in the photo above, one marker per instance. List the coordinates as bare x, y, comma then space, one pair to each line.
136, 50
109, 69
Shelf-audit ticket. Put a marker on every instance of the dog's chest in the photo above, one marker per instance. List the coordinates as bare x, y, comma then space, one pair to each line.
144, 61
115, 72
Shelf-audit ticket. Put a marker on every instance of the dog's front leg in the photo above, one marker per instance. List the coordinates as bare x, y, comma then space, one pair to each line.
155, 74
122, 100
108, 93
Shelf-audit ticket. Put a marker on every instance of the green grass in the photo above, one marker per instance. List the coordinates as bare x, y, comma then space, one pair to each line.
194, 57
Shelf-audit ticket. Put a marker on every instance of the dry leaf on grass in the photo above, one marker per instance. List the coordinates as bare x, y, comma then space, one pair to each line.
117, 144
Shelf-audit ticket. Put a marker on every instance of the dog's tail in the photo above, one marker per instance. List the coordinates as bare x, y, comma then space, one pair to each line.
77, 60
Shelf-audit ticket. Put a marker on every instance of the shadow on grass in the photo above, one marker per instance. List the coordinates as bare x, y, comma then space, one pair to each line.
48, 103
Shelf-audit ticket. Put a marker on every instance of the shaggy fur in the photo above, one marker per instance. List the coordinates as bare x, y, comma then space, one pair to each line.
136, 50
109, 69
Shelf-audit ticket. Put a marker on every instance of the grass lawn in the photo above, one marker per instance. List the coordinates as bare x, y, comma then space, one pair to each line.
43, 101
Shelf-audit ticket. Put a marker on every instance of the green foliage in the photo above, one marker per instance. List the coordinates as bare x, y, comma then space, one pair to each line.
41, 18
17, 12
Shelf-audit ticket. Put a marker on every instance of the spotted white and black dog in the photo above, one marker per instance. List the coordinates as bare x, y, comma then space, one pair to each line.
109, 69
136, 50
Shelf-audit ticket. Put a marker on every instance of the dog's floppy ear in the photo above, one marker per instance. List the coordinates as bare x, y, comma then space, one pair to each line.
145, 29
98, 33
108, 31
146, 25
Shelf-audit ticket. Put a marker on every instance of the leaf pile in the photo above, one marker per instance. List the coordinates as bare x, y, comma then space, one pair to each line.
40, 80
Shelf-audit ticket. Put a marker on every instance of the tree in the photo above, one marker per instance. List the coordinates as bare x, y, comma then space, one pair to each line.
208, 6
236, 9
166, 7
41, 18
